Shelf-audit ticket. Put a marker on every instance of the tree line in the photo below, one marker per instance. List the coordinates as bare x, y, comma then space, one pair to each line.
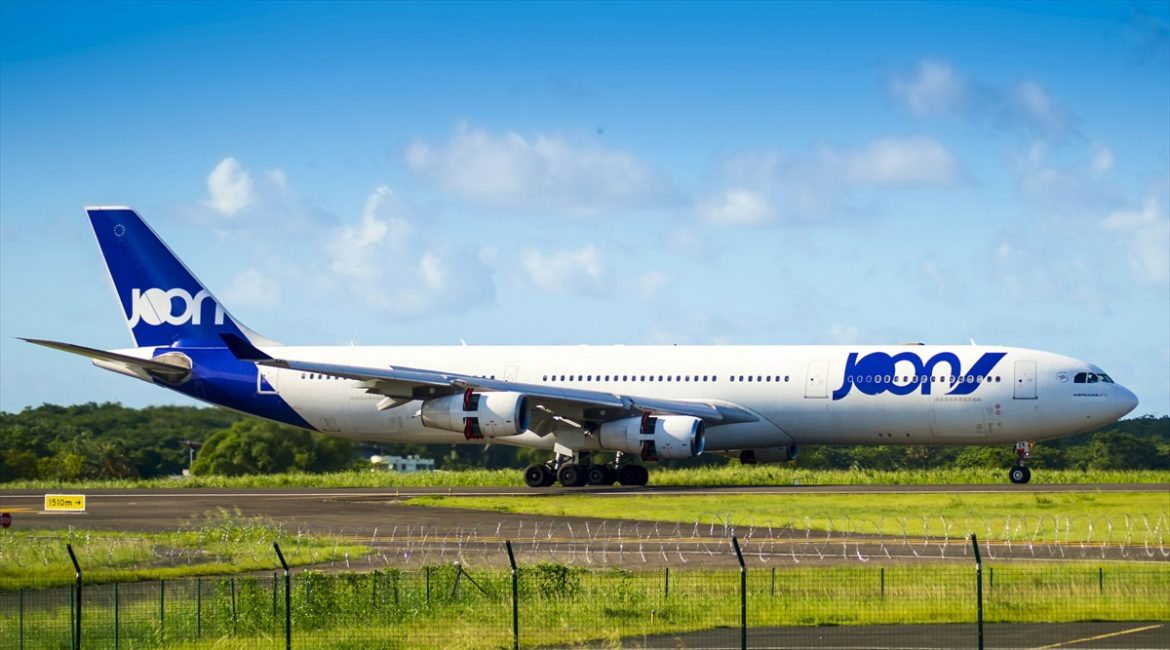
100, 441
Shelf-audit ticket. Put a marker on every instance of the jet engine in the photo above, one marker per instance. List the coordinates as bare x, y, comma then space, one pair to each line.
668, 437
768, 455
478, 414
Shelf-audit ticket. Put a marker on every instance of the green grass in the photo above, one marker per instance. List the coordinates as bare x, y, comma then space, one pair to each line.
223, 543
1060, 516
726, 475
571, 606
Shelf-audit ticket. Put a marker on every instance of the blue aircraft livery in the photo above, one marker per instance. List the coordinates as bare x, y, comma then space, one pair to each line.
876, 373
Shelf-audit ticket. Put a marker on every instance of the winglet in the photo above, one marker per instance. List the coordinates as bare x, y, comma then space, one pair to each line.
242, 349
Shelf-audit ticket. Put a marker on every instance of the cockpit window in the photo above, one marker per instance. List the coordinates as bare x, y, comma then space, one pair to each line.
1092, 378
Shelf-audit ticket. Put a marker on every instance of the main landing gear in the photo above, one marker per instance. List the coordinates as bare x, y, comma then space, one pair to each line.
1020, 474
570, 472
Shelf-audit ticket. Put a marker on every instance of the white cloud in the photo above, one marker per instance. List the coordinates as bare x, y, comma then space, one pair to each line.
1077, 184
936, 88
844, 334
1102, 159
738, 206
359, 250
278, 178
380, 260
916, 160
536, 172
230, 187
1146, 233
572, 271
768, 187
1036, 106
651, 283
933, 88
252, 288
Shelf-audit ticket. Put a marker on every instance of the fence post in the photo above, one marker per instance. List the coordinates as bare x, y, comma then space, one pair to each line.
235, 620
275, 594
515, 609
883, 578
77, 596
287, 600
978, 586
1100, 580
742, 594
773, 582
162, 610
666, 584
427, 575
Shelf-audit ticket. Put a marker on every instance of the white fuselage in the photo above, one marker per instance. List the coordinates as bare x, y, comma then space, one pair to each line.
802, 395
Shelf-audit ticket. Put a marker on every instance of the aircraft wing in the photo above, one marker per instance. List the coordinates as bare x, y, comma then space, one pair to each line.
401, 384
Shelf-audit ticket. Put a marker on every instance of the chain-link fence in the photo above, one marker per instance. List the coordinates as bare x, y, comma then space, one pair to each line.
553, 604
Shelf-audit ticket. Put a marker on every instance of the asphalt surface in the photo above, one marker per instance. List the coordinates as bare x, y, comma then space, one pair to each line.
403, 533
1039, 636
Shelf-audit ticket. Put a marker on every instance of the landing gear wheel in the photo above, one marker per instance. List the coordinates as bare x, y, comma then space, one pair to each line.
599, 475
537, 476
571, 475
633, 475
1020, 475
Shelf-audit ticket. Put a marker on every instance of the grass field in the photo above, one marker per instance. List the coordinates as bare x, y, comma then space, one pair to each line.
1114, 517
567, 607
221, 544
726, 475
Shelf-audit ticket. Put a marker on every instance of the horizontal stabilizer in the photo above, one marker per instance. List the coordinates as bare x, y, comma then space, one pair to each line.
171, 368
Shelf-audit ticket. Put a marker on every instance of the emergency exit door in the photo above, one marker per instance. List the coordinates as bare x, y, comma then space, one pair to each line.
816, 384
1025, 380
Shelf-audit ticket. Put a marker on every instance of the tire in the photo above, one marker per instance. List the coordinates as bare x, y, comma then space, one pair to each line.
571, 475
633, 475
538, 476
1020, 475
598, 475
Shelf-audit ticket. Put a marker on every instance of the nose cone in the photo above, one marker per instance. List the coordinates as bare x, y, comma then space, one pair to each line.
1125, 400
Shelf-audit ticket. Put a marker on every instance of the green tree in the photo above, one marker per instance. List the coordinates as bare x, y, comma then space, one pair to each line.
262, 447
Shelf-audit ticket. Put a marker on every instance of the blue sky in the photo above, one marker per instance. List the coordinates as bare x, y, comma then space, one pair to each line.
780, 173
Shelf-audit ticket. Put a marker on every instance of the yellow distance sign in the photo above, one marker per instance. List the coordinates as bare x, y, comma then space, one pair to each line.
64, 503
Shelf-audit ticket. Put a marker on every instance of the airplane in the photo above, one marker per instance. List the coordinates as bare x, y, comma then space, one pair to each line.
602, 411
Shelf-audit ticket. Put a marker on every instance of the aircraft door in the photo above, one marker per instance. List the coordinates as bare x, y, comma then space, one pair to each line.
1025, 387
510, 371
816, 384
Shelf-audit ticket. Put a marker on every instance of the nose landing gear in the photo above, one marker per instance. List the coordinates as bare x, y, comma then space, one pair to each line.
1020, 474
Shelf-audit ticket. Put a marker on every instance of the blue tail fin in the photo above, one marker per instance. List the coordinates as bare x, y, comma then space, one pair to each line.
163, 302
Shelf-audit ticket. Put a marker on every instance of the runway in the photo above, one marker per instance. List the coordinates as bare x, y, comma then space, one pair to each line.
404, 534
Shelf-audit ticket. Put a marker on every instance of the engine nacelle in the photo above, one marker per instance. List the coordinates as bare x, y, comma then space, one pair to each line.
669, 437
478, 414
768, 455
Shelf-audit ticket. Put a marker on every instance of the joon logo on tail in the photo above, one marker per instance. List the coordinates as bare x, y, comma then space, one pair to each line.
906, 372
173, 307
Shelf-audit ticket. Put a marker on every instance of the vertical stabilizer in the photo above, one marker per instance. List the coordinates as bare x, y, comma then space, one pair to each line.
163, 302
